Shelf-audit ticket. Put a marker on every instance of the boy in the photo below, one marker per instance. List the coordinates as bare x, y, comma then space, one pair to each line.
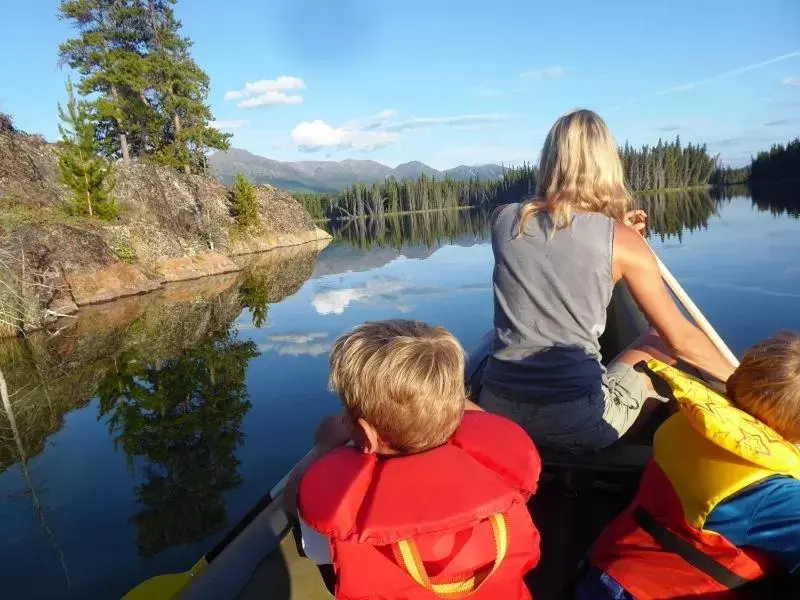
429, 501
717, 514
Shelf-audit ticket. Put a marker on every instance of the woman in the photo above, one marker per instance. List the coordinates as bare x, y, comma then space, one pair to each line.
557, 259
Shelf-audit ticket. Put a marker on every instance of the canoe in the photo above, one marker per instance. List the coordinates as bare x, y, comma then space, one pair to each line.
259, 558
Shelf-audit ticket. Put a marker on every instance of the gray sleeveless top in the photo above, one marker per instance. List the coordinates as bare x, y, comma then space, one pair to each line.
551, 292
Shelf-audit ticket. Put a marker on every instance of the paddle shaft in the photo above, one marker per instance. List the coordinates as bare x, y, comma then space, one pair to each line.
695, 313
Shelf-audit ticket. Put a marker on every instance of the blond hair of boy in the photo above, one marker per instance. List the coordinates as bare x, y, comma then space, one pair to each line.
401, 383
767, 384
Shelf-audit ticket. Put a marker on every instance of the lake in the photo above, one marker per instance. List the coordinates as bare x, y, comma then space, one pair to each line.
138, 434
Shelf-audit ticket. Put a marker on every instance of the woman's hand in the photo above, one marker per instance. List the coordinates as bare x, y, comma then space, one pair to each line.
333, 431
636, 220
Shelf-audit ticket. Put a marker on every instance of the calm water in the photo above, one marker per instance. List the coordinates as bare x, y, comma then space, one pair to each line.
143, 431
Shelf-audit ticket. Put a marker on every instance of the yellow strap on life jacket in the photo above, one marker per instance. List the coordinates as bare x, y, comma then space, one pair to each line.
408, 557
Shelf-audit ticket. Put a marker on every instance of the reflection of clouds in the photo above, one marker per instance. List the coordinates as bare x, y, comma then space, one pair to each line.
390, 290
297, 344
387, 289
298, 338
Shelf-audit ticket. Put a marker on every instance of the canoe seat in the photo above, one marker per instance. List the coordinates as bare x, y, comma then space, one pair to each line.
617, 458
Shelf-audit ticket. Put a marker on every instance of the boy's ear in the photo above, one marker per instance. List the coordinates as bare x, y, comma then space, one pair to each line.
369, 439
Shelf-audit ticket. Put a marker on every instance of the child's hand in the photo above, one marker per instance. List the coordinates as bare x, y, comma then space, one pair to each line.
333, 431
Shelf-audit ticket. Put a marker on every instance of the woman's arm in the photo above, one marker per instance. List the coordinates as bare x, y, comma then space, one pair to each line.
634, 262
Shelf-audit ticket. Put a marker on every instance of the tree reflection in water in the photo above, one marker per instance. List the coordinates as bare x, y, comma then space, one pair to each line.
179, 422
670, 214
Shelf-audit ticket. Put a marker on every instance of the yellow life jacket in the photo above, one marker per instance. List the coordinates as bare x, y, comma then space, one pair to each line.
702, 456
711, 450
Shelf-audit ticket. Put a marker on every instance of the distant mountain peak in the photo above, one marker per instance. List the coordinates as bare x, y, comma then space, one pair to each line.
329, 175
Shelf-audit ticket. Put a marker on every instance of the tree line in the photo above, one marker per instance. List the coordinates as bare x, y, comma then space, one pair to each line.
667, 165
391, 196
779, 163
663, 166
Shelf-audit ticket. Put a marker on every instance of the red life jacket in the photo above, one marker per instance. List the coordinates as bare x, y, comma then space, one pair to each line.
447, 523
707, 453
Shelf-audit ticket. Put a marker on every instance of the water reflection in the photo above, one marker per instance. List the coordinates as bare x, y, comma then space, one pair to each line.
670, 214
778, 199
167, 373
183, 417
430, 228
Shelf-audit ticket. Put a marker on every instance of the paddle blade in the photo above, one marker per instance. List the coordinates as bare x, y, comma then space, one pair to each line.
165, 587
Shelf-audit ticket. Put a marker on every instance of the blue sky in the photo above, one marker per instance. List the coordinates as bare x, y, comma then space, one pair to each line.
462, 82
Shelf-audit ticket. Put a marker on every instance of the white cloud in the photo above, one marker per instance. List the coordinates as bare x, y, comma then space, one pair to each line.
269, 98
792, 81
670, 127
456, 121
228, 125
378, 131
780, 122
536, 75
266, 92
726, 74
315, 135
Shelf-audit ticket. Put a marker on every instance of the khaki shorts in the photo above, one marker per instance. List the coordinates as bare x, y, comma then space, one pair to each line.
586, 424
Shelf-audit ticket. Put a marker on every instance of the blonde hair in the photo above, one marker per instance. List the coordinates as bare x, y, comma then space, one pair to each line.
405, 378
767, 384
579, 171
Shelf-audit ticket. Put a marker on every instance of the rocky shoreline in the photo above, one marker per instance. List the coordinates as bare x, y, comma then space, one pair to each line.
121, 280
171, 227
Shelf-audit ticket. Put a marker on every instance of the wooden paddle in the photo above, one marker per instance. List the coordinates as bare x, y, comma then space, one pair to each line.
695, 313
169, 586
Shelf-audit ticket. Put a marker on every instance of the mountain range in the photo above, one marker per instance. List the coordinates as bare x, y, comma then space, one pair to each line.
329, 175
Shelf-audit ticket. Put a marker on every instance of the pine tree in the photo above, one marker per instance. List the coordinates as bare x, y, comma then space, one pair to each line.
106, 53
182, 88
82, 170
151, 95
245, 203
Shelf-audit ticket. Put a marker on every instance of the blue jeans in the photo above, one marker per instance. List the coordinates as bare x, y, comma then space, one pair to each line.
597, 585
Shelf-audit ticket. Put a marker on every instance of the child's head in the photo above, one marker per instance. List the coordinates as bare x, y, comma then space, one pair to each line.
767, 384
402, 382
